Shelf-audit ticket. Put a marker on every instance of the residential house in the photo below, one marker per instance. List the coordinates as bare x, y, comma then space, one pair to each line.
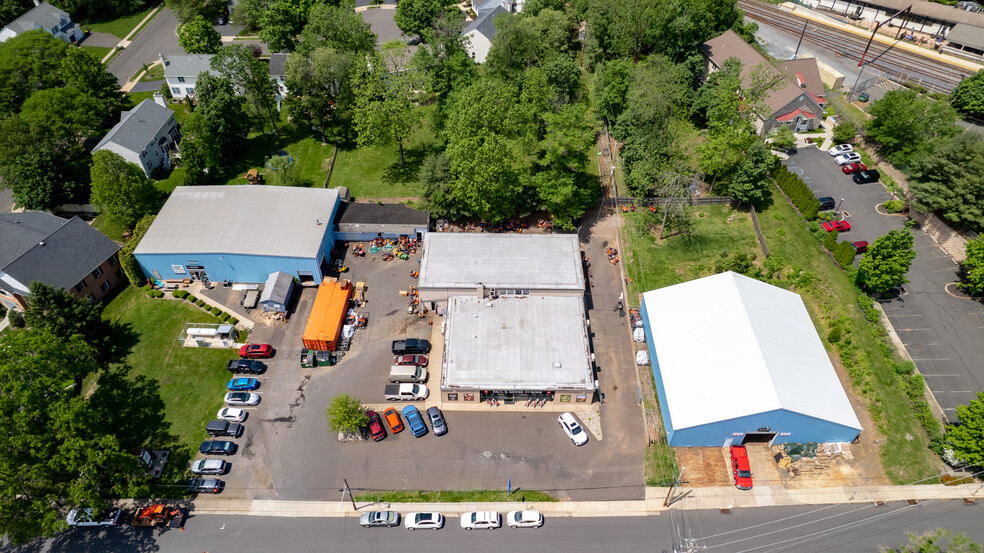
181, 72
37, 246
796, 99
278, 63
145, 135
480, 32
46, 17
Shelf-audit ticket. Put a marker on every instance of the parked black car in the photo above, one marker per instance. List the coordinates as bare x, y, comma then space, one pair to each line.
217, 447
246, 366
206, 485
410, 345
224, 428
864, 177
826, 203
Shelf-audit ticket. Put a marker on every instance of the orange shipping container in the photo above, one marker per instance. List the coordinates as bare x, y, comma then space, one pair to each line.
327, 316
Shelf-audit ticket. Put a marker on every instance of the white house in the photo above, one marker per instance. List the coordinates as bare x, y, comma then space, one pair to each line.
481, 31
144, 136
47, 17
181, 72
278, 63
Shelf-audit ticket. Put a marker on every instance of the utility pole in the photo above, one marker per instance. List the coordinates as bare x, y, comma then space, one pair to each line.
666, 502
349, 491
801, 39
878, 25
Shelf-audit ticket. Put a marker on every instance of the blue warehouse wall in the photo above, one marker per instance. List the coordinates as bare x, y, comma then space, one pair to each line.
789, 427
654, 362
233, 267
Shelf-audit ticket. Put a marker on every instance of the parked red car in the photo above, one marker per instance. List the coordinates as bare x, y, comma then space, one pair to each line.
853, 167
861, 246
414, 360
740, 468
375, 426
256, 351
839, 226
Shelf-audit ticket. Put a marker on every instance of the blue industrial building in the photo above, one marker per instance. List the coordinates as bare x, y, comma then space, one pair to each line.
738, 360
240, 234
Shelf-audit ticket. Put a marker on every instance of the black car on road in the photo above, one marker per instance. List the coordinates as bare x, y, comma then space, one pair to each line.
864, 177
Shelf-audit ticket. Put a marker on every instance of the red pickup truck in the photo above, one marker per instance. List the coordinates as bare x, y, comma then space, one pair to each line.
740, 468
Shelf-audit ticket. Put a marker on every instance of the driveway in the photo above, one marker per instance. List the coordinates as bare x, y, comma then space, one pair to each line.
381, 22
290, 454
158, 37
943, 332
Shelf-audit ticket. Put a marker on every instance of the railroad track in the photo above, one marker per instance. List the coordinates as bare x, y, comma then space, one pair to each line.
898, 64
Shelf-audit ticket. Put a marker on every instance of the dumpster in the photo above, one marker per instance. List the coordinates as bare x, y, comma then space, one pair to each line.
324, 326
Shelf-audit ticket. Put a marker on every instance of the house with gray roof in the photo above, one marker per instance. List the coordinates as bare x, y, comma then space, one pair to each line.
46, 17
63, 253
144, 136
481, 31
181, 72
278, 72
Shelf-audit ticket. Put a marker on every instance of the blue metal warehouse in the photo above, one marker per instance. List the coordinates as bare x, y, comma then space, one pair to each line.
738, 360
240, 234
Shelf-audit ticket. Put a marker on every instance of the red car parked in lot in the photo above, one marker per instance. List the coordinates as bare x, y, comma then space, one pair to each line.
839, 226
853, 167
861, 246
375, 426
740, 468
413, 360
256, 351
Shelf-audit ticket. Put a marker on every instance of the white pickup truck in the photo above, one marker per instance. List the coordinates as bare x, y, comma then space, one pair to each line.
86, 517
405, 392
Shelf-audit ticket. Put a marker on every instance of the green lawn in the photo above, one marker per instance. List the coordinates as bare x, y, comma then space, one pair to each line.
847, 110
375, 172
828, 292
99, 52
118, 27
111, 229
472, 496
154, 73
192, 381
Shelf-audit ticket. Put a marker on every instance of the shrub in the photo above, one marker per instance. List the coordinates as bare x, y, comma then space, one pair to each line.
180, 294
830, 241
16, 319
191, 298
233, 320
127, 261
834, 335
200, 303
844, 254
147, 288
844, 132
224, 317
895, 206
215, 311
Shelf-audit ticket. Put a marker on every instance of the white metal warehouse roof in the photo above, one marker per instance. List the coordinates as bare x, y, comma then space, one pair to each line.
525, 261
278, 221
531, 343
730, 346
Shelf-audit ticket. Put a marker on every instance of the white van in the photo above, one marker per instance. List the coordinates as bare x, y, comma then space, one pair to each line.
407, 373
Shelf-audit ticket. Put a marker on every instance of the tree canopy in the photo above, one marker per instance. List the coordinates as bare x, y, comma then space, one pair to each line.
415, 16
120, 189
247, 73
949, 179
887, 261
968, 97
320, 91
939, 540
905, 123
966, 438
973, 267
198, 36
346, 414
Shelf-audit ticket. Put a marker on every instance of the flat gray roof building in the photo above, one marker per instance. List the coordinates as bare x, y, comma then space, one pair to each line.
517, 344
512, 264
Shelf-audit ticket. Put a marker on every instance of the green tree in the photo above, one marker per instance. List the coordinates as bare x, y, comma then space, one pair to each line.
968, 97
249, 13
887, 261
41, 162
78, 111
613, 88
436, 180
279, 25
28, 62
82, 70
187, 10
445, 61
783, 139
52, 450
247, 73
905, 123
414, 16
522, 42
12, 9
64, 315
939, 540
320, 92
973, 267
386, 93
198, 36
120, 189
966, 438
346, 414
949, 179
338, 27
200, 151
845, 131
222, 113
750, 182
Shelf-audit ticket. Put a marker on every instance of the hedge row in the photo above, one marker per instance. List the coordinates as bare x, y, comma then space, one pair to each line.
183, 294
800, 194
127, 261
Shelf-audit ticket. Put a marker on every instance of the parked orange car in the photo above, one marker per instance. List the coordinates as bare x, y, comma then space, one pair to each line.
392, 417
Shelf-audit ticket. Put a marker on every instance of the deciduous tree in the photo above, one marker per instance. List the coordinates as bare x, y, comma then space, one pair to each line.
973, 267
414, 16
346, 414
949, 179
887, 261
966, 438
120, 189
79, 112
279, 25
28, 62
338, 27
968, 97
41, 162
320, 92
236, 62
198, 36
905, 123
845, 131
64, 315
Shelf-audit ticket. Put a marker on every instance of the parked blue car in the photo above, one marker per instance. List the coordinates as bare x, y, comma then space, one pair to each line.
243, 384
415, 421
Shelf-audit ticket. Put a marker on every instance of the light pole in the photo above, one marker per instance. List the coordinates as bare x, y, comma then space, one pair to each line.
838, 210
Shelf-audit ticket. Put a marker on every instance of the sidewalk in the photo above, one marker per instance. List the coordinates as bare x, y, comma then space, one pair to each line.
724, 497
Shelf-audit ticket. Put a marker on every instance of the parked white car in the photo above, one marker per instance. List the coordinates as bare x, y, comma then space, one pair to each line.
524, 519
231, 414
840, 149
423, 521
483, 520
850, 157
573, 429
209, 466
242, 398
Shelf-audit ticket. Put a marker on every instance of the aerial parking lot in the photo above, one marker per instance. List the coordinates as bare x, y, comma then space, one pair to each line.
287, 451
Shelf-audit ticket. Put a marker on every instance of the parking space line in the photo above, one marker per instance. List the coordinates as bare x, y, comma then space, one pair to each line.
926, 374
931, 359
911, 329
910, 315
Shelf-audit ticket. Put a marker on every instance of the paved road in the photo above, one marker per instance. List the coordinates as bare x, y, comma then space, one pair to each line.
158, 37
943, 334
841, 528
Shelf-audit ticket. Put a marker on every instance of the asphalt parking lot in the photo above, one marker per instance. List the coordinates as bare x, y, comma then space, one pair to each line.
941, 331
288, 453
